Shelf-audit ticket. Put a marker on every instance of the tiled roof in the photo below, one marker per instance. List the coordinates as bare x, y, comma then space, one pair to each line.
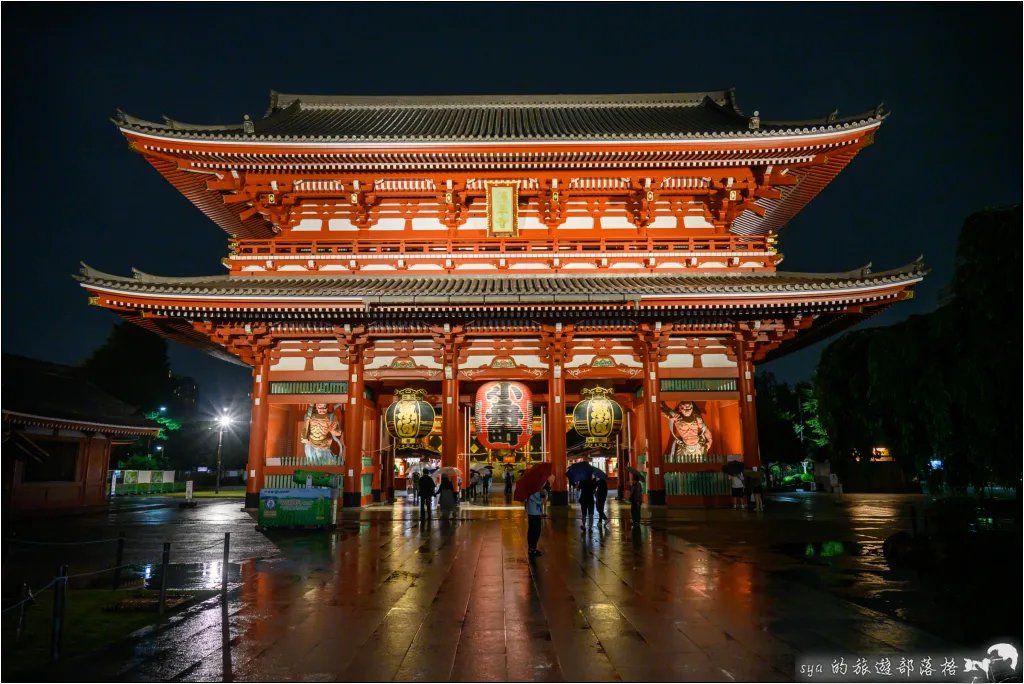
40, 390
505, 289
315, 118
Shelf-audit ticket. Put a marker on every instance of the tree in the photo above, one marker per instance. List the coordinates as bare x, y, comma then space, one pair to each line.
776, 406
943, 386
132, 365
985, 360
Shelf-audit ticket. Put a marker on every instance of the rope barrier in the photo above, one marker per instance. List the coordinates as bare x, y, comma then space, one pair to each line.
31, 596
39, 543
99, 572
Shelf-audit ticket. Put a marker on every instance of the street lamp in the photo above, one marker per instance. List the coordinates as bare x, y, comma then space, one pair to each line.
224, 421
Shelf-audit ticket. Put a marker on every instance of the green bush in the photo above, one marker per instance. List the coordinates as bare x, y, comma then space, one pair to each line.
806, 477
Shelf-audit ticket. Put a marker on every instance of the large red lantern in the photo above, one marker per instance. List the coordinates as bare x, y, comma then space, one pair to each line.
504, 415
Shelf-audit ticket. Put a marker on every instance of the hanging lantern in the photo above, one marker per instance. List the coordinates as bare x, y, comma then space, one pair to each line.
598, 417
409, 419
504, 415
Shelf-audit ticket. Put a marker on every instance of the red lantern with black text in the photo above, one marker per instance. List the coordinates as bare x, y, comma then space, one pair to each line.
504, 415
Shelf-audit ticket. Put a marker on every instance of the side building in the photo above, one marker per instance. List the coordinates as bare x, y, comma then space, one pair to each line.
58, 432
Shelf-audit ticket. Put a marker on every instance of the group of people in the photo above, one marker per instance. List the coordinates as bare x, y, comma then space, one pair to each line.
748, 486
480, 483
445, 491
591, 493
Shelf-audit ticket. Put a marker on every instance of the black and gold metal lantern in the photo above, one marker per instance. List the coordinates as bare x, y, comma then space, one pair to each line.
409, 418
598, 417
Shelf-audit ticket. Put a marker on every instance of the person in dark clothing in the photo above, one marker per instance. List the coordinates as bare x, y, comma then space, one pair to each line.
601, 493
587, 487
636, 498
426, 496
509, 480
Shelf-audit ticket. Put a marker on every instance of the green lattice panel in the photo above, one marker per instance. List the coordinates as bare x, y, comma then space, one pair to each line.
698, 385
309, 387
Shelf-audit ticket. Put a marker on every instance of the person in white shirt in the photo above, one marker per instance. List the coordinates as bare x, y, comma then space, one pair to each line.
737, 491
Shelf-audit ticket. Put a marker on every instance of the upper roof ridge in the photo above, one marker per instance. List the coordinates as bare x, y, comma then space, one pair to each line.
280, 101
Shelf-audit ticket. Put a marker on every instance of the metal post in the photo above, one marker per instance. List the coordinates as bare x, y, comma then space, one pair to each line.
20, 627
118, 561
164, 566
224, 565
60, 590
220, 443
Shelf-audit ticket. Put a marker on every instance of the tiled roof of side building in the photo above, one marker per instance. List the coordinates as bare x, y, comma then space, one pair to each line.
45, 390
497, 289
312, 118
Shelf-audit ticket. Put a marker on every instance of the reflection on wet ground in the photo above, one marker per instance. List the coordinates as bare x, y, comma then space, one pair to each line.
692, 594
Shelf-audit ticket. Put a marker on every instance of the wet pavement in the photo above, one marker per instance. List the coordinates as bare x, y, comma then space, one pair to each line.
690, 595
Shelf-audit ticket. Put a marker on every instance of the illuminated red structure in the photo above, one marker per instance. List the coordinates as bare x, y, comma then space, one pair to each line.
563, 242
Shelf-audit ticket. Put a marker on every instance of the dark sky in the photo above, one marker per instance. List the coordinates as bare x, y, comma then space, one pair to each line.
949, 74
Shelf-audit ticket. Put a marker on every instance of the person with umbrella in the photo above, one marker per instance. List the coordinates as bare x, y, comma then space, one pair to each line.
587, 487
446, 500
734, 469
530, 490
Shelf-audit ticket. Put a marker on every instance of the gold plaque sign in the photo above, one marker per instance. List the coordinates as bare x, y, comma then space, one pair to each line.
502, 209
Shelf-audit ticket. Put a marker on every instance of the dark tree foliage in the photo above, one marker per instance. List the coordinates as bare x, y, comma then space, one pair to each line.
982, 334
845, 406
132, 365
942, 386
776, 418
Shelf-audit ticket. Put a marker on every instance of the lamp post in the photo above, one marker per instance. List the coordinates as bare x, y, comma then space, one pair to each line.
224, 421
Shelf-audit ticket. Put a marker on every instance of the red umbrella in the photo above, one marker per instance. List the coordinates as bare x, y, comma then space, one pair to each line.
532, 481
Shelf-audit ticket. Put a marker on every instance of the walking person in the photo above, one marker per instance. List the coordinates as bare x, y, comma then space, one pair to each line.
547, 496
601, 494
737, 491
587, 487
426, 492
416, 475
756, 484
509, 481
446, 498
534, 506
487, 485
636, 499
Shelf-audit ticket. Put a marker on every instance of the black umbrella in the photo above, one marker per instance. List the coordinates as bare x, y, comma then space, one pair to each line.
637, 474
733, 468
582, 471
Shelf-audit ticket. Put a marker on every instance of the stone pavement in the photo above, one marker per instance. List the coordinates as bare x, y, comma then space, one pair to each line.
388, 598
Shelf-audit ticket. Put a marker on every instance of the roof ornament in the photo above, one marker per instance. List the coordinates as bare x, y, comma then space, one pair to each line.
831, 116
879, 109
248, 126
755, 121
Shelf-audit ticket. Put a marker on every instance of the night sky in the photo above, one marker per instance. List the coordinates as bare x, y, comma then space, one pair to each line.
949, 74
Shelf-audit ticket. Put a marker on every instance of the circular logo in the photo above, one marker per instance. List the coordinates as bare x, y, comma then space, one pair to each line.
271, 503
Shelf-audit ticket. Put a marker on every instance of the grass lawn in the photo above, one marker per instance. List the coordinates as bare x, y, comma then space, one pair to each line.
87, 626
